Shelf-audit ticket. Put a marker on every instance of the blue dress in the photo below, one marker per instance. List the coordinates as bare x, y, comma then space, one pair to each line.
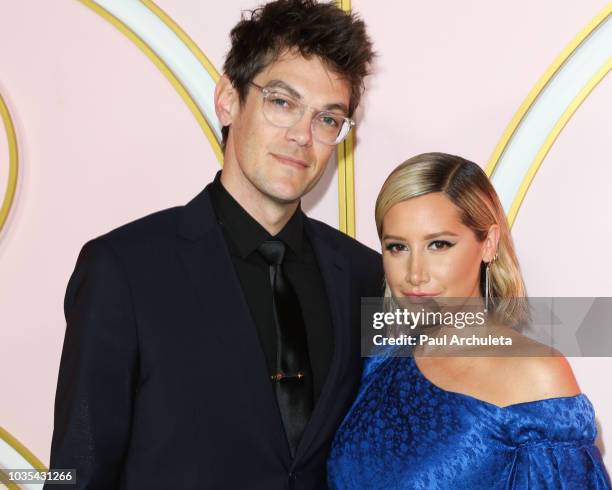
403, 432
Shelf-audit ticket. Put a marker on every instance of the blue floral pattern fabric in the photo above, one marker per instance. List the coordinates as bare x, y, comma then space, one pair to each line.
404, 432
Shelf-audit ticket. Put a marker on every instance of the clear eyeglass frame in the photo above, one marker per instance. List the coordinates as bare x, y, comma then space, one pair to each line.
320, 125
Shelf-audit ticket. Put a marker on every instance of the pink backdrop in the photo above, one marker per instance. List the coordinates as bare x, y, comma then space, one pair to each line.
104, 138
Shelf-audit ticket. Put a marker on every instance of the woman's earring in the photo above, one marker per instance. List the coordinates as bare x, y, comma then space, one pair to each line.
487, 281
487, 285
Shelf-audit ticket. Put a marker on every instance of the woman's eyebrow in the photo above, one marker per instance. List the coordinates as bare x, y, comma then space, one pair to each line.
393, 237
440, 233
426, 237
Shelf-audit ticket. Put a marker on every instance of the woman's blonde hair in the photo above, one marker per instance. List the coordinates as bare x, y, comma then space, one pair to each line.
468, 188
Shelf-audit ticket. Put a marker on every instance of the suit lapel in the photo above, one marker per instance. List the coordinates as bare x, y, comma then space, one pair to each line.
221, 303
222, 306
336, 277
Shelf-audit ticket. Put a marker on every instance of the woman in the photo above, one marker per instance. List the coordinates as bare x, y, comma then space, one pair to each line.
437, 420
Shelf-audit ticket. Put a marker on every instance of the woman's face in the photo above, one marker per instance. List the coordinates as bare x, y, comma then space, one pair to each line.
428, 251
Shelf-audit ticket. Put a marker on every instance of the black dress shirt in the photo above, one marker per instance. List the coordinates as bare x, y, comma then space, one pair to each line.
243, 235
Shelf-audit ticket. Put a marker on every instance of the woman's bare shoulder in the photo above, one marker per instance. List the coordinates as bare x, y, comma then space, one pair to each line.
530, 370
550, 376
534, 378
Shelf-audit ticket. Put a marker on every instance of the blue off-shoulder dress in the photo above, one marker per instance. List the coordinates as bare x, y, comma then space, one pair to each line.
403, 432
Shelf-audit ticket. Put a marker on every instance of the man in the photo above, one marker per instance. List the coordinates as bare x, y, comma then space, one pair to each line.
216, 345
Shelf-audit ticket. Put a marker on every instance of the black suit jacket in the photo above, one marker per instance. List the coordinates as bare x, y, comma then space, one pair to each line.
163, 382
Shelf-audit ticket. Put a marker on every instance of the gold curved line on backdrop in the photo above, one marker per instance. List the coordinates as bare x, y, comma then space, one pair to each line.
4, 479
552, 136
201, 57
20, 449
346, 171
11, 186
165, 69
183, 36
346, 185
539, 86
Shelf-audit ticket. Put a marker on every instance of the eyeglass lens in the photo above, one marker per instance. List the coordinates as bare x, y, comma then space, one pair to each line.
284, 111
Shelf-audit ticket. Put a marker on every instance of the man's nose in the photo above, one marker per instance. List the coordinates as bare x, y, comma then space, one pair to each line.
301, 131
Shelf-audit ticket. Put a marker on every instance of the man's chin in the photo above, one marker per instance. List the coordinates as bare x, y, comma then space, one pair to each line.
285, 199
285, 194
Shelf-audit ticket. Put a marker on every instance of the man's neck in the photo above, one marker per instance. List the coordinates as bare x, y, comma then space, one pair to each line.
272, 215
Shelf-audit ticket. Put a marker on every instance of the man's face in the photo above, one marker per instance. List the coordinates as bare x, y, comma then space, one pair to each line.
283, 164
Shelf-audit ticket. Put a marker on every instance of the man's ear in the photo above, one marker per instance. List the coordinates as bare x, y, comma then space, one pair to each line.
490, 244
226, 101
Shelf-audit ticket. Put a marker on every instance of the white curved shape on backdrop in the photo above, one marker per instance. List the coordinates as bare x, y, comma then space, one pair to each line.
549, 106
11, 459
175, 54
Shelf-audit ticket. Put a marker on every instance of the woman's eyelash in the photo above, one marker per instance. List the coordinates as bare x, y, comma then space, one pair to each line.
439, 244
394, 247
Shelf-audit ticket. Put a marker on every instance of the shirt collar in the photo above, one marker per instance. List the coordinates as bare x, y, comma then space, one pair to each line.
244, 231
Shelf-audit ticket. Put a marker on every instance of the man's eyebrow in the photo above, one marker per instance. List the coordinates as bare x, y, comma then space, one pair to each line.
284, 86
294, 93
338, 106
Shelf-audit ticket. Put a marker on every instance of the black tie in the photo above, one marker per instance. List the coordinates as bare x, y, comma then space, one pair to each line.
293, 377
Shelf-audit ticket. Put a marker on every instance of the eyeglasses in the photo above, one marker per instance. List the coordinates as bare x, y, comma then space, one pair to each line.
284, 111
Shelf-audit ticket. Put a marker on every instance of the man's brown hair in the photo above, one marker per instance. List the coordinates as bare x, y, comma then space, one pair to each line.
310, 28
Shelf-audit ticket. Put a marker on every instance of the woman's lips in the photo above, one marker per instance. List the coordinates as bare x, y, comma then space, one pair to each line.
420, 295
419, 298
